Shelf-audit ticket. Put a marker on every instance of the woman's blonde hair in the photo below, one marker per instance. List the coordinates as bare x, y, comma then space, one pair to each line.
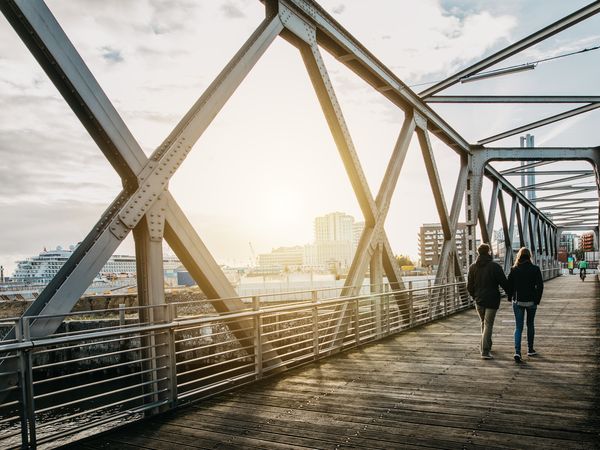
523, 255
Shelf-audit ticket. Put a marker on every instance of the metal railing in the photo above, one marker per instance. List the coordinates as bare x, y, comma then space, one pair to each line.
112, 366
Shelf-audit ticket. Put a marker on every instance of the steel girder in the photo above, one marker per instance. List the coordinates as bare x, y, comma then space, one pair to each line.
513, 99
540, 123
145, 205
349, 51
536, 229
532, 39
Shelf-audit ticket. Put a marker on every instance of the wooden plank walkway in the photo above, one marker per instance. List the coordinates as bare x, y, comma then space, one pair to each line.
425, 388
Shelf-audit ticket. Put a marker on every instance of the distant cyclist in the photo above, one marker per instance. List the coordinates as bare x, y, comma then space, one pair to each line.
583, 265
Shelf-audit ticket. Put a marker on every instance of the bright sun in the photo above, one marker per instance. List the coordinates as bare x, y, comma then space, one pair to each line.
282, 206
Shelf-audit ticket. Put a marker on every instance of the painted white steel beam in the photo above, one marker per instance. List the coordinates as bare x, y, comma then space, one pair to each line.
374, 210
540, 123
548, 172
341, 44
66, 69
513, 99
526, 166
532, 39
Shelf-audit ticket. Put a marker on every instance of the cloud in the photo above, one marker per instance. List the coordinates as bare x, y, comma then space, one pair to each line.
112, 55
232, 11
339, 9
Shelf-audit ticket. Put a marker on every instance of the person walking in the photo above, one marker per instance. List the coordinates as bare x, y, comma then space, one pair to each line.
583, 266
483, 280
525, 292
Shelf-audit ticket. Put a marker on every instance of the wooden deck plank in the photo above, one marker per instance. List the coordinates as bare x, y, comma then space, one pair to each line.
424, 388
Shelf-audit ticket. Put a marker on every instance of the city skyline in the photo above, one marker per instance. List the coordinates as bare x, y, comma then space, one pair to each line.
249, 180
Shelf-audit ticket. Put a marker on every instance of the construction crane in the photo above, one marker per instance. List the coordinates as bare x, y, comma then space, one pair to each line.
253, 259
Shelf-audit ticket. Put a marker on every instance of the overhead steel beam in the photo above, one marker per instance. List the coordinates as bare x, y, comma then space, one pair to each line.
48, 43
568, 208
527, 166
561, 195
507, 187
540, 123
512, 173
556, 181
551, 154
341, 44
560, 188
532, 39
571, 200
513, 99
577, 228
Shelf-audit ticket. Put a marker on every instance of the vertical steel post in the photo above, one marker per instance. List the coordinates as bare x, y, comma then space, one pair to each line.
356, 322
121, 314
315, 320
386, 298
22, 383
27, 367
258, 354
430, 299
171, 315
411, 304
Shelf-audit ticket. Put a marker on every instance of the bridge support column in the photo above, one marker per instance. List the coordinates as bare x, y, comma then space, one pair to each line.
153, 309
472, 204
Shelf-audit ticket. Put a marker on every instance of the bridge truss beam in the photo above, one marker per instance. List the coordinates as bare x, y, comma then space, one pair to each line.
146, 207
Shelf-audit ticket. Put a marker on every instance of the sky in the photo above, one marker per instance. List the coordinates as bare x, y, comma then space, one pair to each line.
267, 165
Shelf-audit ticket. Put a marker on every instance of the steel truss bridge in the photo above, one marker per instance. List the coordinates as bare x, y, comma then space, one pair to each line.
163, 355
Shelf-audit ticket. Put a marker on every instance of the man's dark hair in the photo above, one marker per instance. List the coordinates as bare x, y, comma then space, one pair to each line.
483, 249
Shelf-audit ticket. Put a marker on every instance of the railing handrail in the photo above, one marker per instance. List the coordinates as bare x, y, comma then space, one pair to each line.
28, 344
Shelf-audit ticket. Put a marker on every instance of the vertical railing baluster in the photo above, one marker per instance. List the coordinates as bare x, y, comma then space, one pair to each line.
411, 304
171, 315
315, 320
430, 299
28, 382
386, 288
22, 384
258, 356
356, 319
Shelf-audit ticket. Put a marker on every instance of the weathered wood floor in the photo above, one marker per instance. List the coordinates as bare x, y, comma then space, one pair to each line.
424, 388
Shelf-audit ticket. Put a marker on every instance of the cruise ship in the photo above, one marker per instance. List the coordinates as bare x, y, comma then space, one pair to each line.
42, 268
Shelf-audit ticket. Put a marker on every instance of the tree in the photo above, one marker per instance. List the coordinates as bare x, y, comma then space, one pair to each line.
404, 260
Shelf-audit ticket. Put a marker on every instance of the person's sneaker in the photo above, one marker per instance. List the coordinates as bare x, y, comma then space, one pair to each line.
487, 355
517, 357
531, 353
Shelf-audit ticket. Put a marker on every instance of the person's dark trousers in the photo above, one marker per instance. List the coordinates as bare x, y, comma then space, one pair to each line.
520, 312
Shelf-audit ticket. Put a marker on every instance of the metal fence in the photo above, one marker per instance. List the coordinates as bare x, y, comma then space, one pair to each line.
103, 368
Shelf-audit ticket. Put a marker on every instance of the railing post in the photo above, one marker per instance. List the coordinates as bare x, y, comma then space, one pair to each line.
446, 293
430, 299
386, 289
171, 316
315, 319
411, 304
22, 377
26, 378
258, 362
356, 323
121, 314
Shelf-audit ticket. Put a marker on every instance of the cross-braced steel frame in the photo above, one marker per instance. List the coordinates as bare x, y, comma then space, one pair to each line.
146, 208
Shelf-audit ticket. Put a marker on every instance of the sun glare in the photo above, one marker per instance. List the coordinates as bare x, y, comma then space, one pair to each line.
283, 207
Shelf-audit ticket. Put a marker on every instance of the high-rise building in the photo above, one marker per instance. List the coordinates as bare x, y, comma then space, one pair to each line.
431, 240
568, 242
586, 242
334, 226
336, 239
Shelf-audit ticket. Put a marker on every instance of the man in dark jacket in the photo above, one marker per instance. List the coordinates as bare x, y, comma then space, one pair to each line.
484, 278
